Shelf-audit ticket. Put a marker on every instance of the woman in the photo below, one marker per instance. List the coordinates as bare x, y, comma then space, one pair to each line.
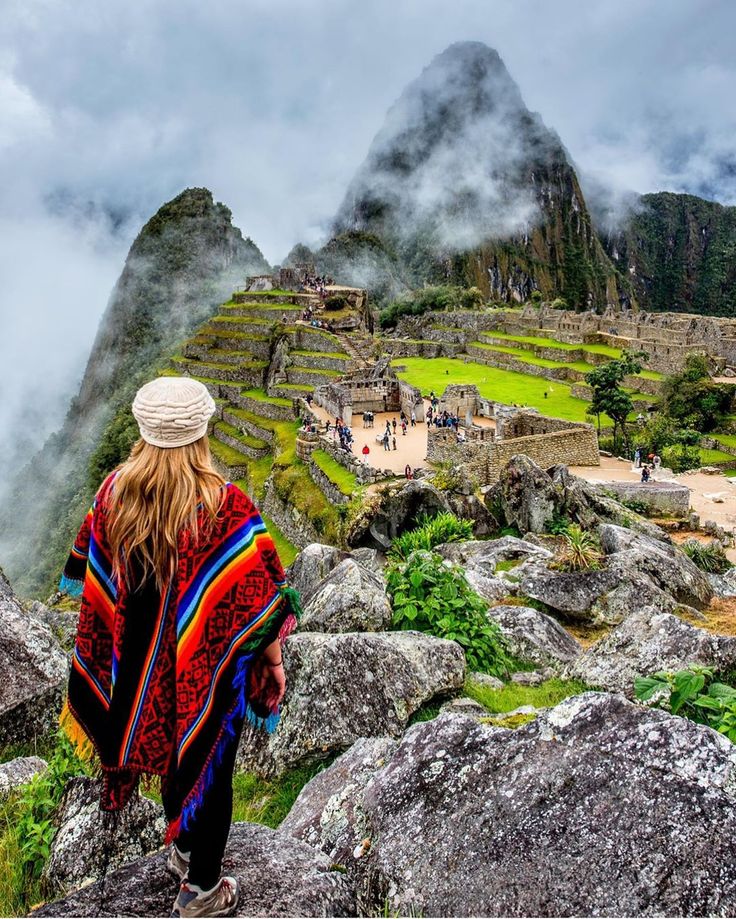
184, 611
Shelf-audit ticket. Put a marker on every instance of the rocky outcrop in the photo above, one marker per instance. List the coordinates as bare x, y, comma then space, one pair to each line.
522, 810
664, 563
278, 877
645, 642
88, 843
351, 685
349, 599
534, 636
397, 510
33, 670
18, 772
572, 593
486, 555
527, 495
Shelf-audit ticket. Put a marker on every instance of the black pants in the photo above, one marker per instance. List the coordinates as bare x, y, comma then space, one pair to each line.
207, 836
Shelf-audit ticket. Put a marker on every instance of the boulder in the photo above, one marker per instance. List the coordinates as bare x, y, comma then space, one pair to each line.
18, 772
88, 842
491, 589
33, 672
572, 593
470, 507
485, 680
639, 590
278, 876
312, 566
534, 636
526, 494
486, 555
325, 814
647, 641
664, 563
394, 511
345, 686
62, 622
596, 807
723, 585
350, 599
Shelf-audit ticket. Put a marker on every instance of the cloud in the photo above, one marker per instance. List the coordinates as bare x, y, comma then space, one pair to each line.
109, 109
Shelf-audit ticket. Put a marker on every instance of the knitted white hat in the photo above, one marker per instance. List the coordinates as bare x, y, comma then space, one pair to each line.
173, 411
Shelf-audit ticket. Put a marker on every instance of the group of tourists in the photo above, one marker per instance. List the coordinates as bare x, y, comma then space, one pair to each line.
648, 468
444, 420
342, 433
368, 419
316, 283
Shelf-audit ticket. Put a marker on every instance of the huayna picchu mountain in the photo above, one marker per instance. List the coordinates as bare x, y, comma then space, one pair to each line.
463, 183
679, 252
184, 262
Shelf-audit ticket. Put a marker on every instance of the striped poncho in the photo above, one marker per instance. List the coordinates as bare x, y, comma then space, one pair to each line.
161, 680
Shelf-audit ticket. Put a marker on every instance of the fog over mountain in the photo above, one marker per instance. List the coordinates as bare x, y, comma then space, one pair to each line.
108, 110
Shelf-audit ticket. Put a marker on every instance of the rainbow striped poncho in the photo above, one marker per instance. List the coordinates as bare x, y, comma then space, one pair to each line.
160, 681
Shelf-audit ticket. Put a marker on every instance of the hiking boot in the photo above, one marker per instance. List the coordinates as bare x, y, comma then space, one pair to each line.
222, 900
177, 863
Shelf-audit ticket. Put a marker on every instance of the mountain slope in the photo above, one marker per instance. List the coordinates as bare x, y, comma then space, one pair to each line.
464, 183
680, 254
184, 262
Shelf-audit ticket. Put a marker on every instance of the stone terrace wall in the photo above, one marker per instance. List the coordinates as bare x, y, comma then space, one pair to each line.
485, 459
667, 498
524, 424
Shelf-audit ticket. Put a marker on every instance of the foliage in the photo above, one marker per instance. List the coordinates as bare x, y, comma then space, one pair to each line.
693, 400
536, 297
692, 693
558, 524
433, 596
582, 550
268, 801
294, 486
426, 299
514, 695
27, 829
344, 480
559, 303
708, 556
609, 396
449, 476
679, 457
430, 532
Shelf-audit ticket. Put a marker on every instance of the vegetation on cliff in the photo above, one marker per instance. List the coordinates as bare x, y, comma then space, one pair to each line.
184, 262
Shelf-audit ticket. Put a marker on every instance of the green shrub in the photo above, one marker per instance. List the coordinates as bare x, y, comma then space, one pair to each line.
708, 556
426, 299
558, 524
692, 693
433, 596
559, 303
536, 297
606, 444
431, 532
680, 458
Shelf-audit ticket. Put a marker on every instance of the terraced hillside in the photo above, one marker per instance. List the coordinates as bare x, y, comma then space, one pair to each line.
257, 362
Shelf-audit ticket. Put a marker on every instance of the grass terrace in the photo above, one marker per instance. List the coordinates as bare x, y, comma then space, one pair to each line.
714, 457
528, 358
493, 383
340, 477
287, 551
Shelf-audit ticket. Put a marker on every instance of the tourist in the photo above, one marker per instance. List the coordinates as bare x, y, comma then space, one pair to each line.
366, 451
413, 418
403, 428
645, 473
160, 525
637, 458
407, 472
657, 460
393, 424
386, 446
394, 440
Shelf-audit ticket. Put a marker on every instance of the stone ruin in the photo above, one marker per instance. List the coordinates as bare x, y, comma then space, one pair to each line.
377, 389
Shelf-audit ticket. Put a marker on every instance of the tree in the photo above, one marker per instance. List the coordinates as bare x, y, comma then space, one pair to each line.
609, 397
691, 399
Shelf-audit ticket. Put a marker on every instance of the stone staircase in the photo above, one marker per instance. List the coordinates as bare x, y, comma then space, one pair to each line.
360, 346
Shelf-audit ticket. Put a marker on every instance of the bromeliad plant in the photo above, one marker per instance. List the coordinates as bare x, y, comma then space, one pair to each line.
692, 693
431, 595
708, 556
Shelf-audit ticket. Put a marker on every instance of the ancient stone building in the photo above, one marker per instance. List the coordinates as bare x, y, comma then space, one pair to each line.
377, 389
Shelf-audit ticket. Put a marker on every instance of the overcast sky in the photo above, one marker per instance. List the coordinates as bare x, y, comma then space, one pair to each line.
113, 107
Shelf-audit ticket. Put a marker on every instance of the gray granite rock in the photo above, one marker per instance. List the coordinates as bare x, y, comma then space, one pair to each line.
88, 842
18, 772
350, 599
534, 636
341, 687
33, 672
647, 641
278, 876
596, 807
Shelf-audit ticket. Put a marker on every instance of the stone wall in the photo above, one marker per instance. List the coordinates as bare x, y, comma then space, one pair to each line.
306, 338
525, 424
295, 526
330, 491
410, 400
485, 459
405, 347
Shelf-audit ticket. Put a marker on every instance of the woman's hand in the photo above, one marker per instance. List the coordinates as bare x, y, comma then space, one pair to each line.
276, 684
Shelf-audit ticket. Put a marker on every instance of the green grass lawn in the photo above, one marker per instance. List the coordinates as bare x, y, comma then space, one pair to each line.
287, 551
335, 472
714, 457
493, 383
529, 358
260, 395
728, 439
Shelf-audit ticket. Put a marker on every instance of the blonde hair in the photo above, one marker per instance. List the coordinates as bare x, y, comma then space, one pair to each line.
156, 494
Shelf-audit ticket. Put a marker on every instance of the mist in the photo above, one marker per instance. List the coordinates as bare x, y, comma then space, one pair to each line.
108, 110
